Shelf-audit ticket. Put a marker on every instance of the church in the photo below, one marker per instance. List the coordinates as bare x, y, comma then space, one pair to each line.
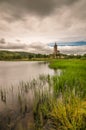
56, 51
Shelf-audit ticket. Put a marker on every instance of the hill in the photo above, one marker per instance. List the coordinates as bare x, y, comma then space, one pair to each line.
9, 55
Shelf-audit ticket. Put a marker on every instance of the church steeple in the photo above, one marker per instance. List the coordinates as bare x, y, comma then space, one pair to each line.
56, 51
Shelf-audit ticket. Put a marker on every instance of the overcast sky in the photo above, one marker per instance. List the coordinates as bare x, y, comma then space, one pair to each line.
31, 24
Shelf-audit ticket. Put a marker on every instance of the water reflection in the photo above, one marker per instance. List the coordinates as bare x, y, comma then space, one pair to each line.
14, 73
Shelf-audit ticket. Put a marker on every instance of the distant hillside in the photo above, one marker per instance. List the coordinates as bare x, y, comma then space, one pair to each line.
9, 55
78, 43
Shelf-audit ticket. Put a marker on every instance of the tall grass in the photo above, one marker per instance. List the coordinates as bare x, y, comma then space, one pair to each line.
67, 105
69, 114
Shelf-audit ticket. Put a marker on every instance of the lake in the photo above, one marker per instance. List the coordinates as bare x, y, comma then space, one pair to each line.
13, 73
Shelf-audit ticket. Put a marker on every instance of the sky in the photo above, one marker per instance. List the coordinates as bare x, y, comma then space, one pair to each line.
30, 25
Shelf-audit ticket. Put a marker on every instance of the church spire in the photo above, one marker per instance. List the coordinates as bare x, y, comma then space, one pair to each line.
56, 51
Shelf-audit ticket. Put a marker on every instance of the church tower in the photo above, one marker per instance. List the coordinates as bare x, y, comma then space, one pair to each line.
56, 51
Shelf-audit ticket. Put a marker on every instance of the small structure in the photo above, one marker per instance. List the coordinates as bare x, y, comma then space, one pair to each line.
56, 51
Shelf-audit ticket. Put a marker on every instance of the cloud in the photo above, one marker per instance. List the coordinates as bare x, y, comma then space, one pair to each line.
19, 8
76, 43
2, 41
73, 49
43, 20
12, 46
39, 47
36, 47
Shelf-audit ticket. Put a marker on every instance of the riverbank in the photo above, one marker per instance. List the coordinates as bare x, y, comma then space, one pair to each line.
59, 102
26, 56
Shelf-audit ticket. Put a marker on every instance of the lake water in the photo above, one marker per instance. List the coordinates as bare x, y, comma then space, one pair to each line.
13, 73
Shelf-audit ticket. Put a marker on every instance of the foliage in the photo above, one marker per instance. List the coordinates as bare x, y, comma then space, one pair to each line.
69, 114
9, 55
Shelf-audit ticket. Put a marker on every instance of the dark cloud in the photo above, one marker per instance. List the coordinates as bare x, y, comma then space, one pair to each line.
41, 20
2, 41
36, 47
12, 46
19, 8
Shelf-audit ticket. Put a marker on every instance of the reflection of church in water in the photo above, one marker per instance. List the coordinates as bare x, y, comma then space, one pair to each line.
56, 51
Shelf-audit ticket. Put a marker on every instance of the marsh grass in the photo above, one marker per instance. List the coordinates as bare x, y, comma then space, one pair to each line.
67, 105
69, 114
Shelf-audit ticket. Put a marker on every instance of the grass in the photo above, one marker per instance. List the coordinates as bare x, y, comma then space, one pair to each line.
69, 114
67, 106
